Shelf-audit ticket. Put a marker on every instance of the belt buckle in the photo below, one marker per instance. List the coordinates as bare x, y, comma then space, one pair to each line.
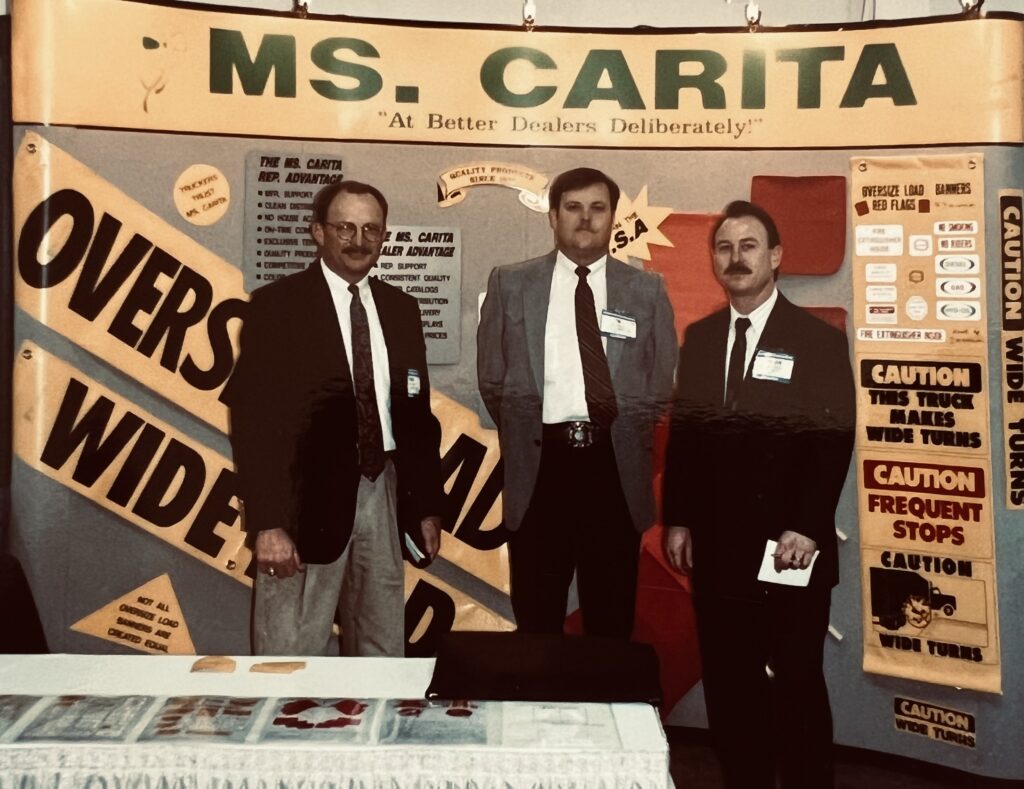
580, 435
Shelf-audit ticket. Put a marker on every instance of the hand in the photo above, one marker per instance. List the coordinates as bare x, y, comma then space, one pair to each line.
430, 528
794, 551
277, 555
678, 548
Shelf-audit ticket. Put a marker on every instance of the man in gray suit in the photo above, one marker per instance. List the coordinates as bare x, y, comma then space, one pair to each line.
575, 354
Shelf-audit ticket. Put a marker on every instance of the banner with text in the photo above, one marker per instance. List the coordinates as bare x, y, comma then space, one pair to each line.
279, 76
923, 454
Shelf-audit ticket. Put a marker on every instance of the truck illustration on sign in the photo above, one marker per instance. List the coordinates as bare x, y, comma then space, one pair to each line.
900, 597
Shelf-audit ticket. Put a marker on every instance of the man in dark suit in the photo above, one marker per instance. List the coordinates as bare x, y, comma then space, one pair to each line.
575, 353
762, 432
334, 440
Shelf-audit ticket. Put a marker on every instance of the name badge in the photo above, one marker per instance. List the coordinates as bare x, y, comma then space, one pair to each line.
412, 383
773, 366
615, 324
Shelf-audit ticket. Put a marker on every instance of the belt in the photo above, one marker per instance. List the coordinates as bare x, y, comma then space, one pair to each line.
576, 435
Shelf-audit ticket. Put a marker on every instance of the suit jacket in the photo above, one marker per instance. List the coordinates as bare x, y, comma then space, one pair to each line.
776, 463
510, 369
294, 430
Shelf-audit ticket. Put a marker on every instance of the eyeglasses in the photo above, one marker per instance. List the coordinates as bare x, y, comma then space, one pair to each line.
346, 231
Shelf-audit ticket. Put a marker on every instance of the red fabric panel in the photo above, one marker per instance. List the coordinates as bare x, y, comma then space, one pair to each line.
686, 267
810, 212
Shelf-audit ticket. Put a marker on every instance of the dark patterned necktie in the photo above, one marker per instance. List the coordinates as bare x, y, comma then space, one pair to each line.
371, 438
597, 380
737, 361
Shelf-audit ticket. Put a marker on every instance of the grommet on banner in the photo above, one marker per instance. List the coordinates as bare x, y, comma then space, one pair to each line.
529, 15
301, 10
753, 13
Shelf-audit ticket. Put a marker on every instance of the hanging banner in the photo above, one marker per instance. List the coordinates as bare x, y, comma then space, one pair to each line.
1011, 212
923, 453
206, 71
118, 280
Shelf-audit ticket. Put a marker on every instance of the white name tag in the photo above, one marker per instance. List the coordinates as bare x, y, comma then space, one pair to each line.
615, 324
773, 366
412, 383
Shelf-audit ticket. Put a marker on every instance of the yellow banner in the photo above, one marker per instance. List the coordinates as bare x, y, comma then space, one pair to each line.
90, 439
108, 273
230, 73
923, 438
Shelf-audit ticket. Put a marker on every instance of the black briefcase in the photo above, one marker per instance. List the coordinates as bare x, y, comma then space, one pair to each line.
535, 667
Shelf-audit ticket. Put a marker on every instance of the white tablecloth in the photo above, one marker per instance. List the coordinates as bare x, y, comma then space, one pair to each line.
147, 721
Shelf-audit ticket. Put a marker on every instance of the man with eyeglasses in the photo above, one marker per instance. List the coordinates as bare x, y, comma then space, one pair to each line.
575, 353
334, 440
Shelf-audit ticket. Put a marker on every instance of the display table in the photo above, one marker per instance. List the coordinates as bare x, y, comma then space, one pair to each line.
148, 721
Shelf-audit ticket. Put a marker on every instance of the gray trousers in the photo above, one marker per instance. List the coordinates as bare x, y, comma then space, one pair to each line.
366, 585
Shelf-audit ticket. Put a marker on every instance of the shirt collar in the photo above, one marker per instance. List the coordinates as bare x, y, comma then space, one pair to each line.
759, 315
337, 284
595, 268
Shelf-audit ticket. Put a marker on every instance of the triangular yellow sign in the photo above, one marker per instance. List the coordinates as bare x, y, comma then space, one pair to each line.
148, 619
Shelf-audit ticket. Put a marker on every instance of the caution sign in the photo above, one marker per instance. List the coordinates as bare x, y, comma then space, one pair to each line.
923, 436
147, 619
937, 723
1011, 213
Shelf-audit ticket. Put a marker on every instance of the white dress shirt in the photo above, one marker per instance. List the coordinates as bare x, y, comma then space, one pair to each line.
565, 397
758, 318
381, 373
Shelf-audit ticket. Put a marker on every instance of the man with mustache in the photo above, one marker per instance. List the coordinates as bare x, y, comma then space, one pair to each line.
334, 440
760, 444
575, 353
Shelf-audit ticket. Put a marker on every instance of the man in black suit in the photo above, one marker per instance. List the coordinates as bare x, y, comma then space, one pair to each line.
762, 432
334, 440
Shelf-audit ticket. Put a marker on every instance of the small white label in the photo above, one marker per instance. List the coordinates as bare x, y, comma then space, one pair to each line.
773, 366
957, 244
958, 287
875, 240
957, 264
958, 310
920, 246
412, 383
615, 324
916, 308
880, 313
880, 272
880, 293
960, 226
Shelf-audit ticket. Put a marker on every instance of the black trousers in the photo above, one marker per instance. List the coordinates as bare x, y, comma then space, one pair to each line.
762, 727
577, 521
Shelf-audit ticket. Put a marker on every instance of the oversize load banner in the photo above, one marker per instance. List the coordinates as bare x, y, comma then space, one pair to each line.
923, 446
215, 72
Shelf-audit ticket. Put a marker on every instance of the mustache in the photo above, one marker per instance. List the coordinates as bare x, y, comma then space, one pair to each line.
356, 249
737, 268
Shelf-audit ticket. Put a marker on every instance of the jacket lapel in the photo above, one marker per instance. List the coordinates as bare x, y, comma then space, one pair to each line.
536, 294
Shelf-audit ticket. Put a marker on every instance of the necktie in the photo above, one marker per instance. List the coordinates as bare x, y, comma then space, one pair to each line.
371, 439
597, 380
737, 360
